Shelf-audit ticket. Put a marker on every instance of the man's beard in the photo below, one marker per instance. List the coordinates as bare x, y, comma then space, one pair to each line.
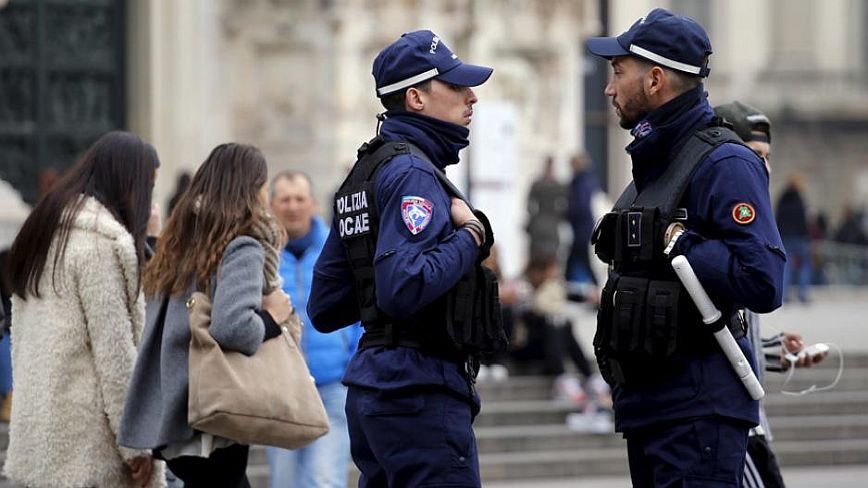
633, 110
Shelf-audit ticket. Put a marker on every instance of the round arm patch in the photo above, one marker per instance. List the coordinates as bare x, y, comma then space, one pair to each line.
743, 213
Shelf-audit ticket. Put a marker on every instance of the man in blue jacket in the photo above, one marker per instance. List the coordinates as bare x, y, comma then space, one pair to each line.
697, 191
325, 462
411, 399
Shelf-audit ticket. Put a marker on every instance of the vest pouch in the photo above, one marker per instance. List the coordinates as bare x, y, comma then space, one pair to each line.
638, 238
609, 367
661, 318
459, 310
604, 313
628, 315
474, 322
603, 237
494, 338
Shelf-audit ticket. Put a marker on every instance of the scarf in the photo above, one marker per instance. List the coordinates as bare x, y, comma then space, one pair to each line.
440, 141
272, 237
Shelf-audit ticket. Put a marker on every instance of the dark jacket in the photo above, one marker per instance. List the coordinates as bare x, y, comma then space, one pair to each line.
792, 215
739, 264
417, 260
579, 211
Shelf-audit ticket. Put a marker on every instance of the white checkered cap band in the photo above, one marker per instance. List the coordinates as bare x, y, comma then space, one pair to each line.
669, 63
431, 73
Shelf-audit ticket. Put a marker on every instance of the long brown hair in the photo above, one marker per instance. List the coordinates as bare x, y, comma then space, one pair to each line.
221, 204
118, 171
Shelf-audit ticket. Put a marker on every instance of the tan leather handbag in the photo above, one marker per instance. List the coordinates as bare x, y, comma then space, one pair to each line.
268, 398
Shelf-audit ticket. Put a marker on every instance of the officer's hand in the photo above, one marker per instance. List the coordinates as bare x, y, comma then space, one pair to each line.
461, 213
278, 304
674, 230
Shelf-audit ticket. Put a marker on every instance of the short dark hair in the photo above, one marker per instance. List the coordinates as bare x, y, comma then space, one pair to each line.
682, 81
395, 101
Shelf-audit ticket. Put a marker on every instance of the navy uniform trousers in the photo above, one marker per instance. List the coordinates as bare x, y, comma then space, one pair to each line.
413, 437
702, 453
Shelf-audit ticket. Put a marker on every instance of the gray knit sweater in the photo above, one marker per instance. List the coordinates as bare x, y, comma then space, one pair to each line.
155, 413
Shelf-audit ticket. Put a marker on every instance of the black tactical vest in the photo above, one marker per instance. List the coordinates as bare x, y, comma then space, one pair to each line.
647, 323
464, 322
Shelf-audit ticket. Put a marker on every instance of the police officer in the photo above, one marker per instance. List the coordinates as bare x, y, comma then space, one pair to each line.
697, 191
410, 400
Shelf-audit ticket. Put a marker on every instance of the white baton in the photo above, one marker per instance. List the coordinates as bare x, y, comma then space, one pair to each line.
711, 315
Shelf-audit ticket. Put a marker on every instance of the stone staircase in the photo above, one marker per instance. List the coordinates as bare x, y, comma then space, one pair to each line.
523, 435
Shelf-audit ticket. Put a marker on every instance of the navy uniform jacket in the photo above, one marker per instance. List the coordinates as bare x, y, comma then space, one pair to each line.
412, 268
737, 263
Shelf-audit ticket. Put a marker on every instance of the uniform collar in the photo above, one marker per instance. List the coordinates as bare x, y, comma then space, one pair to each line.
660, 135
440, 141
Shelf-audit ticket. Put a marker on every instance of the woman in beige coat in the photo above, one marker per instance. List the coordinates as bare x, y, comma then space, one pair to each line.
74, 270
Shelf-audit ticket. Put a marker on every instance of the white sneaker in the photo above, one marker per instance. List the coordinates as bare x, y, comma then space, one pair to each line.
590, 421
601, 390
568, 389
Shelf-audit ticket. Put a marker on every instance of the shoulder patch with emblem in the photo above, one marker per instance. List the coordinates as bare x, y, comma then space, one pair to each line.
416, 212
743, 213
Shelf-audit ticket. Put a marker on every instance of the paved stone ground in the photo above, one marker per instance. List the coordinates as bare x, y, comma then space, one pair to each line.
825, 477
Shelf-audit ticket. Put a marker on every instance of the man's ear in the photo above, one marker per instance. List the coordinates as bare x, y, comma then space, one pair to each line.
655, 80
413, 100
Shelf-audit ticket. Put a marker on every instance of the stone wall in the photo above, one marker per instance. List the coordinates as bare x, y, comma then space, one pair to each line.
293, 76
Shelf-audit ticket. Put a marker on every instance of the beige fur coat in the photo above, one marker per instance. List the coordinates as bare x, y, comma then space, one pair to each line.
73, 353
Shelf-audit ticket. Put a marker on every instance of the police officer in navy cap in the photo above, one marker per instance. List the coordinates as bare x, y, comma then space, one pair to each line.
401, 243
697, 191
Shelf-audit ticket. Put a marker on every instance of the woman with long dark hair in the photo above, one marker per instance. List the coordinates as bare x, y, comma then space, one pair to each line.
219, 239
74, 271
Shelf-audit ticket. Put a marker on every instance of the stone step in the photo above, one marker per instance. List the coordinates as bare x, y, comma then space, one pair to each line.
527, 412
821, 403
563, 463
819, 428
851, 379
822, 453
540, 438
540, 387
560, 437
543, 412
553, 463
516, 388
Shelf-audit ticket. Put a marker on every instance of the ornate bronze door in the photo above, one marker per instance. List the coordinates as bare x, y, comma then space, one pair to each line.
61, 83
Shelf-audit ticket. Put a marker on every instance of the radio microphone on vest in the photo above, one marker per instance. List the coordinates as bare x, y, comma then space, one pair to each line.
712, 317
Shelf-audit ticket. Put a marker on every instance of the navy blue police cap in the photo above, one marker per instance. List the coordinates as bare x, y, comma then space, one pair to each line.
420, 56
663, 38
